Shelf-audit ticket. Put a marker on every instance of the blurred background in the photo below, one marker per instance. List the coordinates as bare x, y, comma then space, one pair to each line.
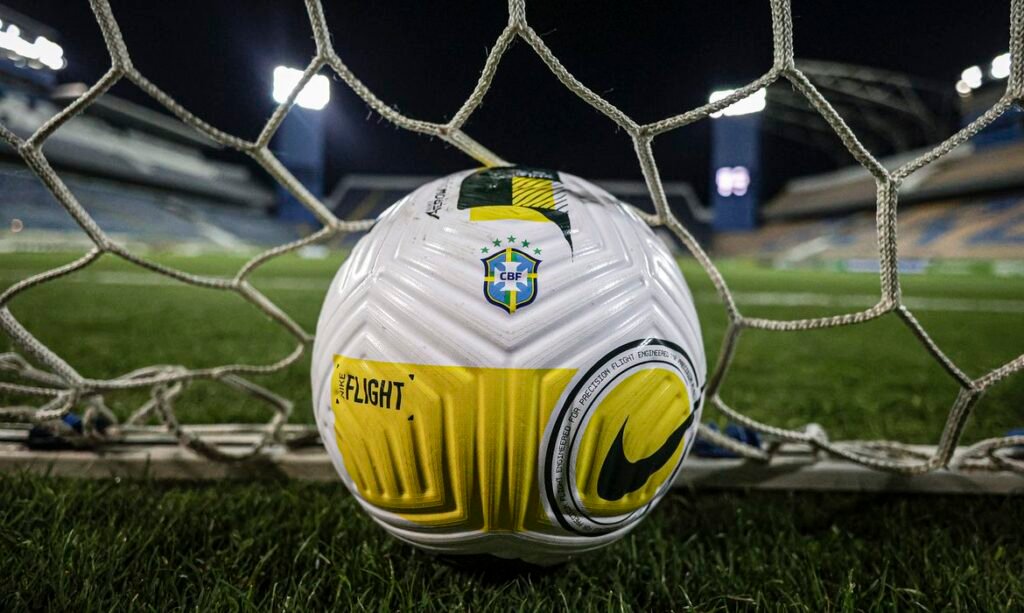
766, 185
767, 180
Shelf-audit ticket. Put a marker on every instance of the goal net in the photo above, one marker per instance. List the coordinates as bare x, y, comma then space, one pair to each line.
58, 388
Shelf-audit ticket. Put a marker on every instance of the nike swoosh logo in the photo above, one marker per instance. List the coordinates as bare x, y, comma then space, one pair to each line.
619, 476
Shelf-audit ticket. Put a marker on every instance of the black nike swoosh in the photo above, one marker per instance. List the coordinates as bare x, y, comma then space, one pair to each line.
619, 476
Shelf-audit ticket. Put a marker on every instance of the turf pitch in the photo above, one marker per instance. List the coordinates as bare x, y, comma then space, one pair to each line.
111, 544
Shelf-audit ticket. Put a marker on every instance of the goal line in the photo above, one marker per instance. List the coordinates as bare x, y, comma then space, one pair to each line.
150, 452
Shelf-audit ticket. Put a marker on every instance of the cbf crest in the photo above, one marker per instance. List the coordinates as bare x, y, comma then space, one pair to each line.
510, 275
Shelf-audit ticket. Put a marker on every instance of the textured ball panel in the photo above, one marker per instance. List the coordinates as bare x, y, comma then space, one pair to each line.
509, 362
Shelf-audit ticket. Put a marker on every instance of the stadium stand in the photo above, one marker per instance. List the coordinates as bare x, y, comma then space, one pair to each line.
965, 171
142, 175
132, 212
122, 141
969, 205
969, 229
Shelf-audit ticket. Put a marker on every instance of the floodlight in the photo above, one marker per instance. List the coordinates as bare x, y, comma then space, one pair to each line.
1000, 66
972, 77
43, 50
963, 88
50, 53
754, 103
732, 180
315, 95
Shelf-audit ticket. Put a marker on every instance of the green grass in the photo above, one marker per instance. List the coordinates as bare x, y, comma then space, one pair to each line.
106, 545
72, 545
853, 380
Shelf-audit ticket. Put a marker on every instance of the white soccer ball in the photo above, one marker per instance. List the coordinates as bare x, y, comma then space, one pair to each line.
508, 363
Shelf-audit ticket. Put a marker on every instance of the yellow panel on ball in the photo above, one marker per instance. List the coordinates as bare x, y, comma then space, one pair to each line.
447, 446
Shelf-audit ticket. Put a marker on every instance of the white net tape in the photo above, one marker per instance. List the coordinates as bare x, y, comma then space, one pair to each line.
60, 387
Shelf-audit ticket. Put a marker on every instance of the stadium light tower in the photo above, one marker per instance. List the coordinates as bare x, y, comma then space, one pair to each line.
978, 88
736, 161
299, 143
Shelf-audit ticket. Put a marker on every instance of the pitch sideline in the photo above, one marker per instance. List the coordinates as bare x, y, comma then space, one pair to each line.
767, 299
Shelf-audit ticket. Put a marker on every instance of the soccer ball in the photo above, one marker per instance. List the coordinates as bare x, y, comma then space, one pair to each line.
508, 363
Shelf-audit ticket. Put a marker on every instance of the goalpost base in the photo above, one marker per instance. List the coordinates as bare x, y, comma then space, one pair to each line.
151, 453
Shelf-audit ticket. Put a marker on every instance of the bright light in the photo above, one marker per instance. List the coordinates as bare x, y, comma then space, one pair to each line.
732, 180
315, 95
972, 77
50, 53
754, 103
1000, 66
963, 88
43, 50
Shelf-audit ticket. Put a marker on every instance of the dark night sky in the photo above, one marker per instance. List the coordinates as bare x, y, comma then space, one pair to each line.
652, 59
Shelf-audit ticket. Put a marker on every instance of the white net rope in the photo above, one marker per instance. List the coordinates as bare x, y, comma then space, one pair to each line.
60, 387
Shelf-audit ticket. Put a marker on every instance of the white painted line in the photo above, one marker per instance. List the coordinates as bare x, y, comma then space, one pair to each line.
861, 301
151, 279
766, 299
